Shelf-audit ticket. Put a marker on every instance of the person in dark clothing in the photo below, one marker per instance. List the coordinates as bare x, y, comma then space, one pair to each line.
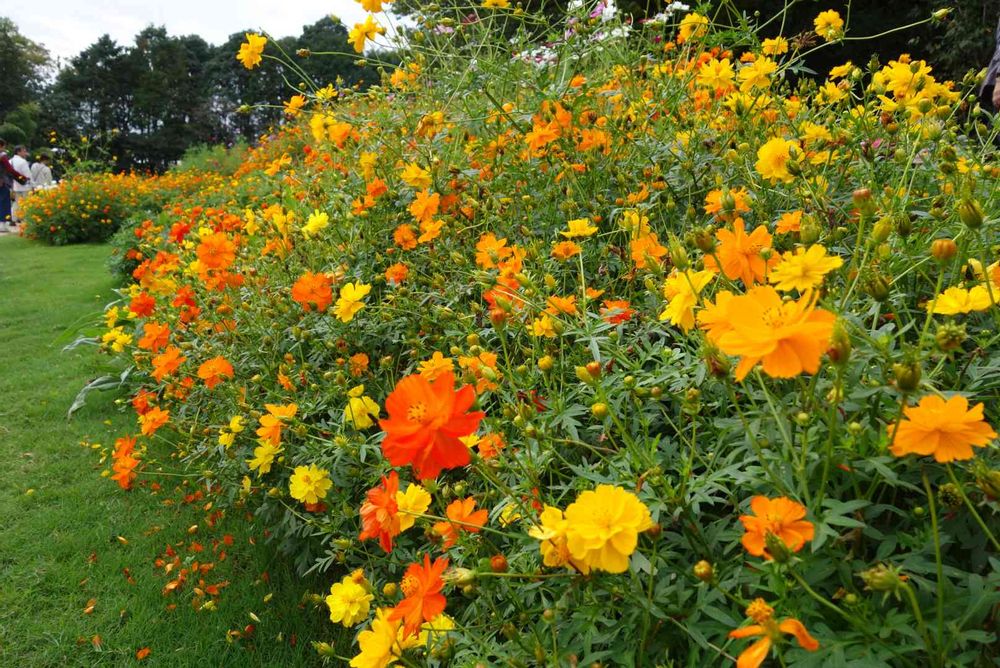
989, 92
7, 177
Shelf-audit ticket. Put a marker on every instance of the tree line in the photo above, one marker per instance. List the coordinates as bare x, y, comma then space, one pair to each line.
149, 101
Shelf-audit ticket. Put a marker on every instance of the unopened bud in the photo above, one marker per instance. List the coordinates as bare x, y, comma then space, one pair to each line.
943, 249
704, 571
971, 213
907, 375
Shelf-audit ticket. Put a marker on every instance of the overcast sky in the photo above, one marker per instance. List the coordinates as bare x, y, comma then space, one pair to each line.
66, 27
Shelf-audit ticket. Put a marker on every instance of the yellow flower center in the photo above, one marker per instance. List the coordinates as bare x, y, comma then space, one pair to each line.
416, 412
408, 585
760, 611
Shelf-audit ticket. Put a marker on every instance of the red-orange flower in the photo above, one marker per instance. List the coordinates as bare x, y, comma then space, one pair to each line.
216, 251
142, 305
462, 518
380, 513
421, 585
770, 631
425, 422
946, 429
124, 462
152, 420
313, 289
215, 370
167, 362
154, 336
782, 518
616, 311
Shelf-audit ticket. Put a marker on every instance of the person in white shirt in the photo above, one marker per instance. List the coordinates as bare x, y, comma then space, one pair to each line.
20, 190
41, 173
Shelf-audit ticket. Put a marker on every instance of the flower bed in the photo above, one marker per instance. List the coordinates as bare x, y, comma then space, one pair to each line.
592, 367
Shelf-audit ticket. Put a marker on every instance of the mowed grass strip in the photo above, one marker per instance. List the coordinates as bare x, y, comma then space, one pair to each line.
78, 585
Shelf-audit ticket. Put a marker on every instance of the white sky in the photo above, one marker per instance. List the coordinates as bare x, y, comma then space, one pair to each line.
66, 27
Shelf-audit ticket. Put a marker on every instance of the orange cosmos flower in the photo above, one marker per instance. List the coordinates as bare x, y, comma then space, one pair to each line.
490, 250
216, 251
154, 336
787, 337
271, 424
405, 237
424, 424
770, 632
421, 585
313, 289
167, 362
124, 462
152, 420
739, 253
782, 518
425, 206
380, 513
142, 305
946, 429
462, 518
564, 250
215, 370
396, 273
616, 311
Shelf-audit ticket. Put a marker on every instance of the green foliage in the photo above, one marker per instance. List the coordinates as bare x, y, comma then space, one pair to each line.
13, 134
218, 159
60, 546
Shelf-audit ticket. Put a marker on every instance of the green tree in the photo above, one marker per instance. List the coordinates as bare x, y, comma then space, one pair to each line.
23, 67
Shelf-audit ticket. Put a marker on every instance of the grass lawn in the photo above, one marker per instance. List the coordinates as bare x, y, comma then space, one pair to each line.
78, 584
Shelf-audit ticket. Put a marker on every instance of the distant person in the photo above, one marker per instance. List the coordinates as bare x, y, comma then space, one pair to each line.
41, 173
989, 94
8, 176
20, 189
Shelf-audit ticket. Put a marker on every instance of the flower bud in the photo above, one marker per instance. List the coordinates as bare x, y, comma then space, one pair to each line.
546, 363
881, 230
950, 336
583, 375
882, 578
971, 213
840, 344
950, 495
704, 240
704, 571
943, 249
594, 369
877, 287
776, 548
987, 480
678, 256
599, 410
461, 577
862, 199
907, 375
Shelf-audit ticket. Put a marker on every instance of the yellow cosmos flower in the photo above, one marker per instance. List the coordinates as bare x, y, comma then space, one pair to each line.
603, 527
411, 503
318, 220
496, 4
692, 26
551, 531
773, 158
349, 600
350, 300
263, 458
578, 227
373, 6
757, 74
955, 301
294, 104
360, 410
803, 269
382, 644
435, 366
416, 176
251, 51
364, 32
309, 484
682, 290
543, 326
774, 46
716, 74
829, 25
